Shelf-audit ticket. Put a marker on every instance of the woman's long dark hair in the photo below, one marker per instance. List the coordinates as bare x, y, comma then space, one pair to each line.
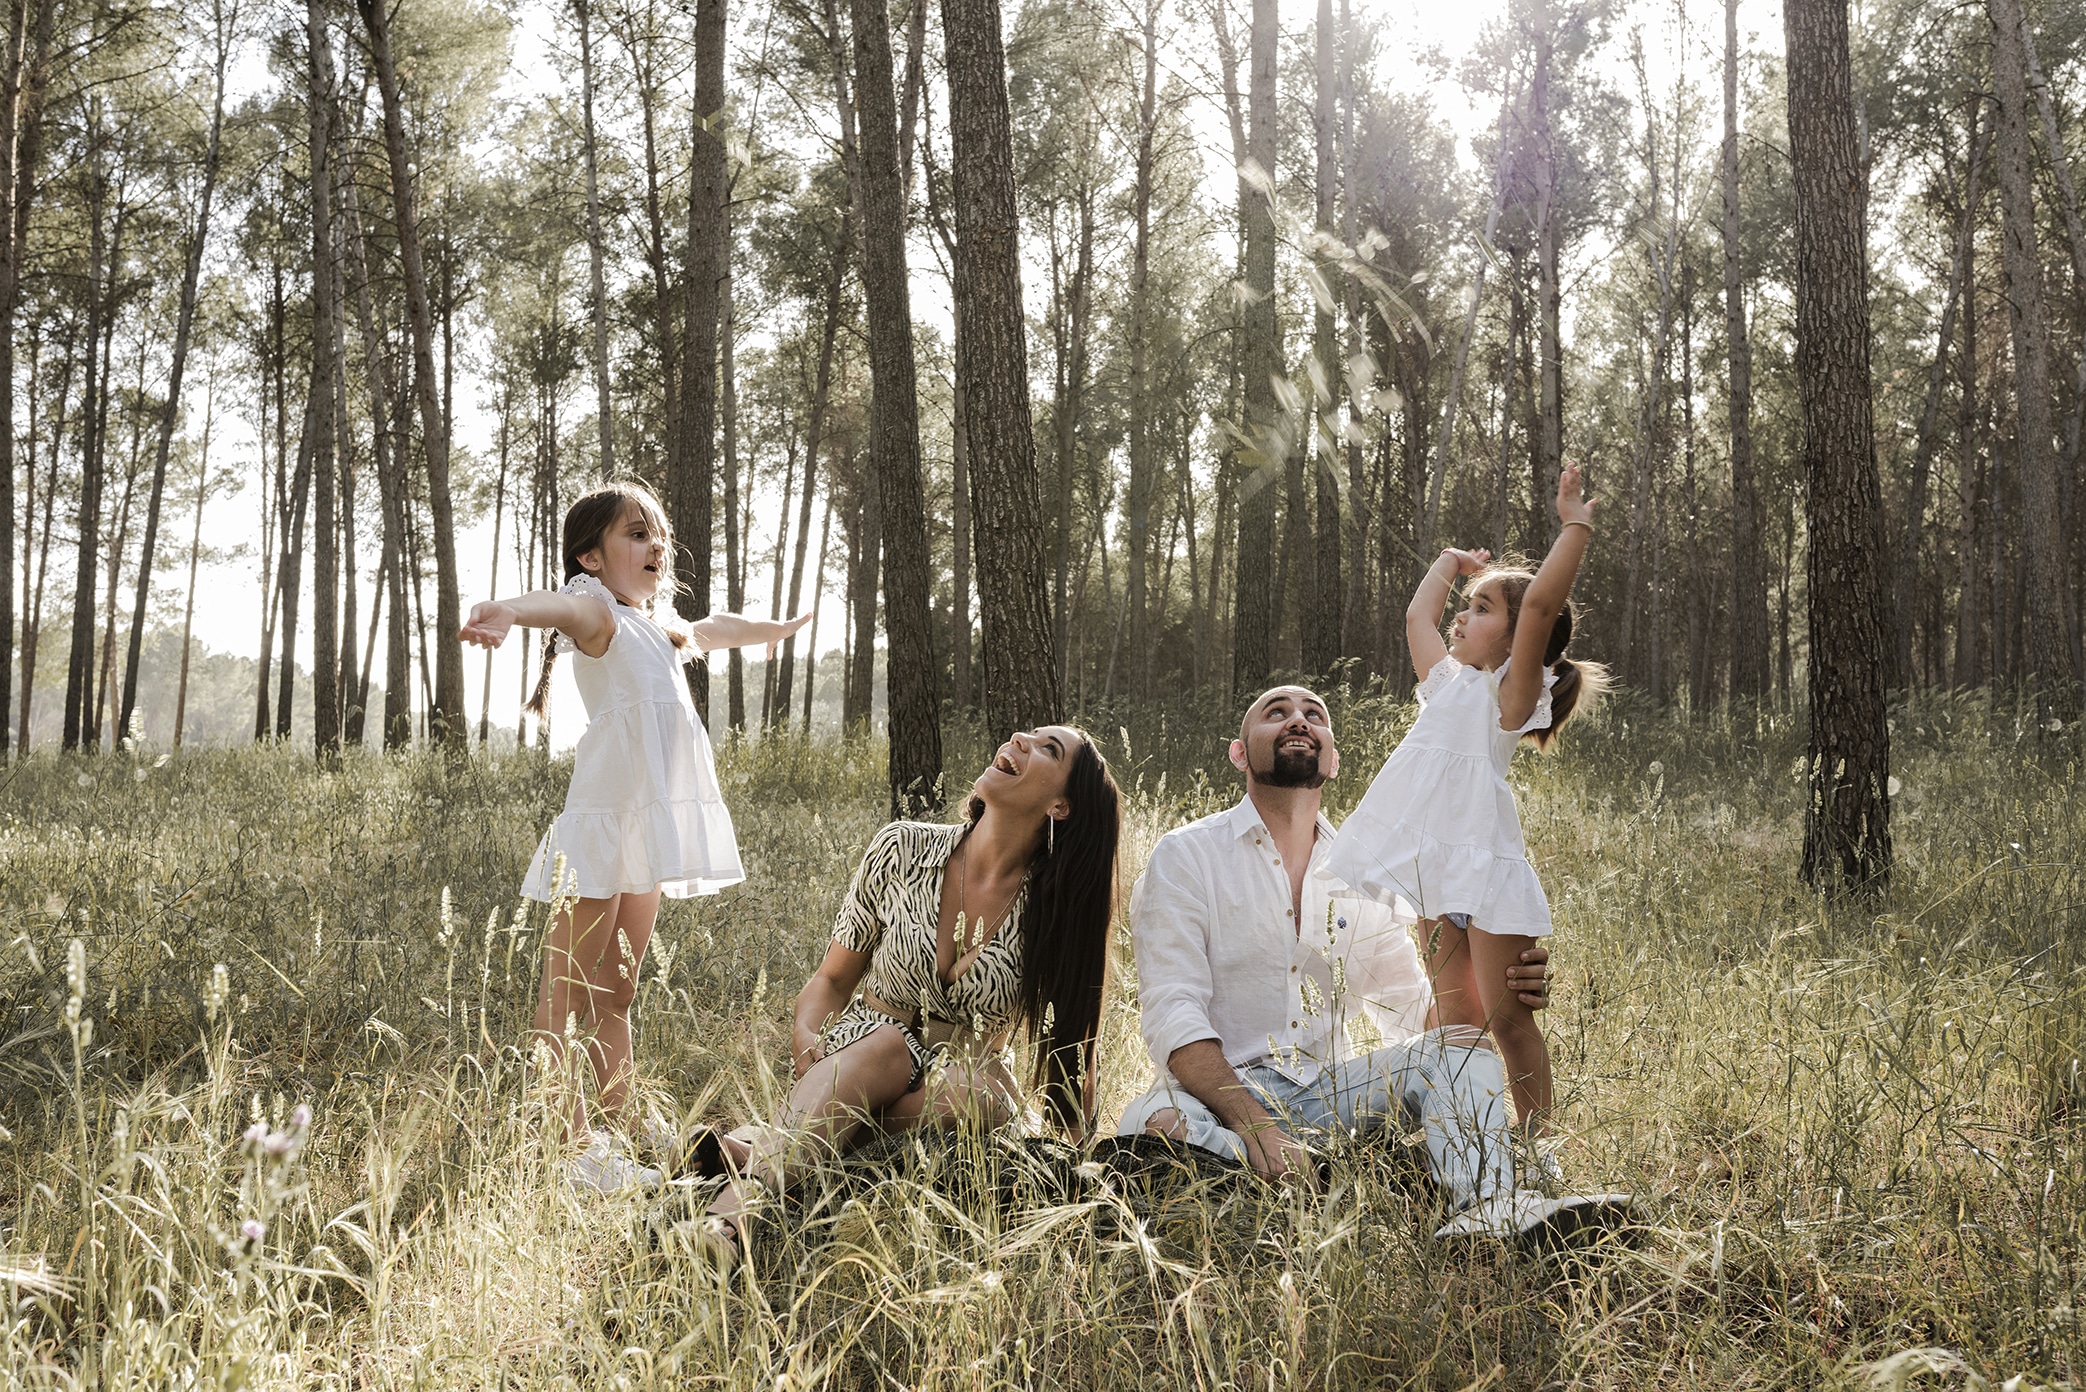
586, 523
1065, 933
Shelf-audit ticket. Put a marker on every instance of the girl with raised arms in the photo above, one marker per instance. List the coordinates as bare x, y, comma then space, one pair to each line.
1439, 826
643, 818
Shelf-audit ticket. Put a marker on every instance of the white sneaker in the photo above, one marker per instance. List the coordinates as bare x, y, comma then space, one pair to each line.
604, 1168
1526, 1214
1540, 1170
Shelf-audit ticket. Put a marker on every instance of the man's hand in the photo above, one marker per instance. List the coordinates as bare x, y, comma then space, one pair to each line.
1529, 979
1276, 1155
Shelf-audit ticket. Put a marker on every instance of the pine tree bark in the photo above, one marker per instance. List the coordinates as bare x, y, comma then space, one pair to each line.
914, 704
814, 439
1930, 417
447, 721
1323, 576
1847, 819
24, 72
583, 15
1021, 686
1750, 673
388, 448
689, 501
325, 335
1549, 451
79, 668
2048, 636
1138, 498
1253, 652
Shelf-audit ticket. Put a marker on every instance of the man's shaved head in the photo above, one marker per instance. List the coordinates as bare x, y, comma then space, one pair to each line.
1293, 693
1286, 739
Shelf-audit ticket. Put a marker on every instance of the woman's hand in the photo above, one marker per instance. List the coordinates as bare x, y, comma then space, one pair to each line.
1572, 504
805, 1050
1468, 562
488, 625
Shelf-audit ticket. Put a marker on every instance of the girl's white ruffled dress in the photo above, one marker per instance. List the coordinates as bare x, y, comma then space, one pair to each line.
1439, 825
644, 811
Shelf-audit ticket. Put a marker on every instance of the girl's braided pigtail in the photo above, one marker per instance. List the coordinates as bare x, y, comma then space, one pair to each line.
539, 700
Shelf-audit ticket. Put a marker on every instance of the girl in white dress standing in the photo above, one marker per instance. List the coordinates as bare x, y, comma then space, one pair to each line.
1438, 825
644, 817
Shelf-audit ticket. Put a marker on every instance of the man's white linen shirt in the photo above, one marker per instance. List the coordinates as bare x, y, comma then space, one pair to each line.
1219, 955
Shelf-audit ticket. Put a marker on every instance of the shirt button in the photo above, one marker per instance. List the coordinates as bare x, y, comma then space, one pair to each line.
1292, 970
1278, 860
1292, 1024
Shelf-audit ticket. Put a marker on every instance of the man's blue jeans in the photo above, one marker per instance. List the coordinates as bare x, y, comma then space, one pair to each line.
1453, 1091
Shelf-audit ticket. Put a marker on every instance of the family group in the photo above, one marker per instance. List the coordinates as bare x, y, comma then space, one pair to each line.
1291, 981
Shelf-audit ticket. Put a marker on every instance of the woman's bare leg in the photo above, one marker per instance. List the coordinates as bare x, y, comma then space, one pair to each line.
562, 997
954, 1094
830, 1105
1513, 1025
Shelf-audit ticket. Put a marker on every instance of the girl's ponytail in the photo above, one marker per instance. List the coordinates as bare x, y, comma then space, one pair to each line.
1579, 686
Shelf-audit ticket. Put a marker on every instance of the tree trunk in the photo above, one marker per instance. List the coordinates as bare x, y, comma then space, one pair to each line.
24, 70
818, 594
79, 670
1969, 663
1749, 631
1549, 453
1322, 575
1847, 819
289, 567
1021, 686
388, 447
1930, 416
446, 721
583, 14
1647, 420
642, 49
1253, 652
813, 441
1138, 499
1354, 626
2049, 651
734, 533
914, 704
325, 335
689, 501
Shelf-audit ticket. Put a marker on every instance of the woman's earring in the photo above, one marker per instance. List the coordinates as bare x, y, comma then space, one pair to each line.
1050, 835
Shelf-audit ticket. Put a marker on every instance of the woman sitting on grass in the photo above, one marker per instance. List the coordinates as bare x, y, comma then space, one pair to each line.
954, 935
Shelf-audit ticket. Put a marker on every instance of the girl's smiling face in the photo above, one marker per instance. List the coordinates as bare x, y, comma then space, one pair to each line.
1481, 634
631, 556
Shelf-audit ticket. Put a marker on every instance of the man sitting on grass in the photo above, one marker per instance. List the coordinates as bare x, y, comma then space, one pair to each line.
1277, 1004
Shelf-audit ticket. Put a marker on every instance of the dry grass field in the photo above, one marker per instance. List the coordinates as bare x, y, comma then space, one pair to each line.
1855, 1129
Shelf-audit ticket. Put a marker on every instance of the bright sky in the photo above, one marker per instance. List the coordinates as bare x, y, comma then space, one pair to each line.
228, 616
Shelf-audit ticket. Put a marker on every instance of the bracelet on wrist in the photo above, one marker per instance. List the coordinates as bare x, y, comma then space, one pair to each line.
1577, 522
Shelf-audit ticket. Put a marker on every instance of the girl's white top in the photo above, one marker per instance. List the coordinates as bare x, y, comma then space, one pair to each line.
1439, 825
644, 811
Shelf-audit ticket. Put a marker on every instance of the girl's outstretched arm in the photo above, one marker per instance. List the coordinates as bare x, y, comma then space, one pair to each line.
1545, 600
587, 621
1423, 615
716, 631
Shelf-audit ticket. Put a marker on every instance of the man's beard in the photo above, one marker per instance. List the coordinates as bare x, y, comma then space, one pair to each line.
1293, 769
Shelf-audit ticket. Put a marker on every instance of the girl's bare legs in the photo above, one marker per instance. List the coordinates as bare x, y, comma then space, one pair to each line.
1470, 988
1513, 1025
590, 979
612, 973
830, 1104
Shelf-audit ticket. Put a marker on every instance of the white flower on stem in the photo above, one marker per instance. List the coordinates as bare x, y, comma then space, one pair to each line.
253, 1230
301, 1118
